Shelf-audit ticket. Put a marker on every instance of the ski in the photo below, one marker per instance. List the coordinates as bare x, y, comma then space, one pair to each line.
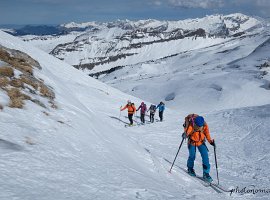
127, 125
220, 187
215, 187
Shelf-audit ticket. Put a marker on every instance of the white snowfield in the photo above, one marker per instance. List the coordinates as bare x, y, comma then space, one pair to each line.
81, 151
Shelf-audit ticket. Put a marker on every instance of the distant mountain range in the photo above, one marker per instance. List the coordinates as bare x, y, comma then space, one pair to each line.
103, 47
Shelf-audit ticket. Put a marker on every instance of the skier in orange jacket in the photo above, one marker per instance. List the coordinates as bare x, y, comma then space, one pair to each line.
131, 110
197, 131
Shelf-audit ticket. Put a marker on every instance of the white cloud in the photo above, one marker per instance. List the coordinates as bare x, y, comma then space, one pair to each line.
263, 3
257, 3
197, 3
157, 3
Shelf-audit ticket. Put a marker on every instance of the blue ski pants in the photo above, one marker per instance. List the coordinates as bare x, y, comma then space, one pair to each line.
204, 154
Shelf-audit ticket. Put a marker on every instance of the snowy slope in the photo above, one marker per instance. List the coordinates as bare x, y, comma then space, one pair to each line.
78, 151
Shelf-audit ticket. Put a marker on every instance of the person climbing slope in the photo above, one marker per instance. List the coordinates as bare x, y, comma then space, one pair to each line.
131, 110
196, 130
161, 108
143, 108
152, 110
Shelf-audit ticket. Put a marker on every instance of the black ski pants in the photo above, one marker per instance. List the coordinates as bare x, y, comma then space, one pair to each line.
130, 117
161, 115
152, 117
142, 118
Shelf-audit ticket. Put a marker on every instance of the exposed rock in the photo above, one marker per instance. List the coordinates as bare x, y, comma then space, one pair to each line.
170, 97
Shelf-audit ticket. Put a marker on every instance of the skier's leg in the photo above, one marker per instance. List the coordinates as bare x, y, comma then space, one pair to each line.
205, 159
130, 118
192, 156
160, 116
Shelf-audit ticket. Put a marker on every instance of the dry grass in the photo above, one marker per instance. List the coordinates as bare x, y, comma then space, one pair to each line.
16, 98
16, 103
15, 87
4, 55
22, 67
6, 72
46, 92
4, 81
16, 83
24, 58
30, 82
17, 62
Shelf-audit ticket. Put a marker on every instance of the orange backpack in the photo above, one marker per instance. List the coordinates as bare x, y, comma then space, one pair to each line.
189, 121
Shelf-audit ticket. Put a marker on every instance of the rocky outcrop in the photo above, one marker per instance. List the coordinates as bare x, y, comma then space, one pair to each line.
18, 81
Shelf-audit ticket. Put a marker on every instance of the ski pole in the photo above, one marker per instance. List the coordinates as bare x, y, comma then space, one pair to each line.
216, 162
120, 113
176, 154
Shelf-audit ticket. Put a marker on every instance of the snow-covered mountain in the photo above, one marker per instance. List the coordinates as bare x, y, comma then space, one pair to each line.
106, 46
80, 150
139, 57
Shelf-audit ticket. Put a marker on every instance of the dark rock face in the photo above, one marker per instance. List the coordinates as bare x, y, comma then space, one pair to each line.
130, 36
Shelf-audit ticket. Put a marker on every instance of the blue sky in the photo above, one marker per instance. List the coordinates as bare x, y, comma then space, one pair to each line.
62, 11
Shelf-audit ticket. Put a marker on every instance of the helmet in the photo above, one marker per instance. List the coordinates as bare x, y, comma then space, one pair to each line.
128, 101
142, 103
199, 121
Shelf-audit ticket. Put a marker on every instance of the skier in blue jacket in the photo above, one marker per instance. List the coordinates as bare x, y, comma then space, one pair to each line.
161, 108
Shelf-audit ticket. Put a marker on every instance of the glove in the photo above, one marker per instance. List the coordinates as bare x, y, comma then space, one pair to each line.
184, 135
213, 143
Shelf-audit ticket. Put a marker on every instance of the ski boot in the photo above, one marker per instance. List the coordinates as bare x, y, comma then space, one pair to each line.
207, 177
191, 172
